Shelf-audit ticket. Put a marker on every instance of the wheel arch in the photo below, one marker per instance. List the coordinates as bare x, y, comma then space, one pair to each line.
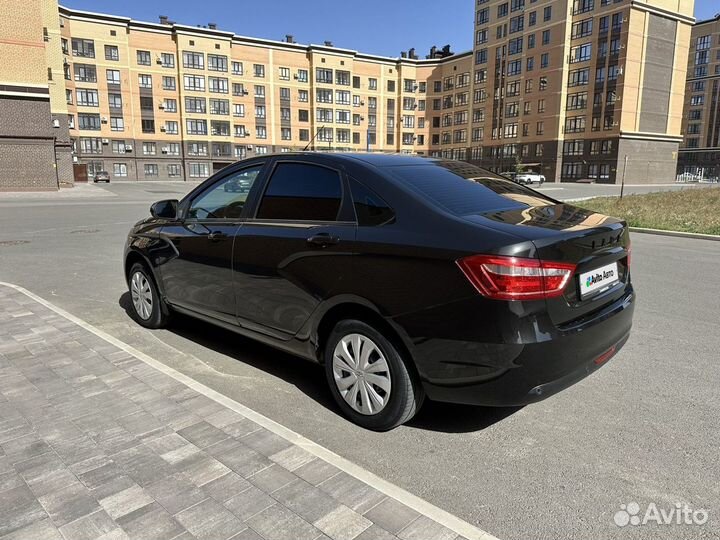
369, 314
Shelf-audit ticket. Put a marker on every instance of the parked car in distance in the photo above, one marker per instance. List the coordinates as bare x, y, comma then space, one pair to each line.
529, 178
239, 185
405, 276
509, 175
101, 176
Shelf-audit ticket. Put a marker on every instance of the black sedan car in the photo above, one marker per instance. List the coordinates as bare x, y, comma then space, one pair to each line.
406, 277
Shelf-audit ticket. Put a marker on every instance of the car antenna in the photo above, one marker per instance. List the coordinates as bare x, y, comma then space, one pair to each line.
313, 139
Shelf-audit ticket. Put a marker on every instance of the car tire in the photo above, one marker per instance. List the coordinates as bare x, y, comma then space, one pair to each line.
148, 308
384, 365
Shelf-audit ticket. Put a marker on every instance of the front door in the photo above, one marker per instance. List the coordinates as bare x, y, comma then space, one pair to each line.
199, 277
295, 251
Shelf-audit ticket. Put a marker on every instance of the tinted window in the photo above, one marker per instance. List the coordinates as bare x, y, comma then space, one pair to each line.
370, 209
226, 198
462, 189
302, 192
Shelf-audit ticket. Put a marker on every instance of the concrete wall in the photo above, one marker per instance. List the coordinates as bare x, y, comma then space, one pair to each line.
649, 161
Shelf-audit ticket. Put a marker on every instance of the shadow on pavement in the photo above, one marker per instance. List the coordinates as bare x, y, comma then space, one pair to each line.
309, 377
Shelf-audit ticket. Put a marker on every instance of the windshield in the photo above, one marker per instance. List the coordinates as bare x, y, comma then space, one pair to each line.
463, 189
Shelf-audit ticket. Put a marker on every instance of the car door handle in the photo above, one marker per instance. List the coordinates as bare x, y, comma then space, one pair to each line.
323, 239
217, 236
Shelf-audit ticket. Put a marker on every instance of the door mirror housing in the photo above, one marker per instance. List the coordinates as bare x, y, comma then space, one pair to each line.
167, 209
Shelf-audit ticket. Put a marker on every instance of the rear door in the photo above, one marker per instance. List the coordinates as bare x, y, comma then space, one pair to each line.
199, 276
296, 249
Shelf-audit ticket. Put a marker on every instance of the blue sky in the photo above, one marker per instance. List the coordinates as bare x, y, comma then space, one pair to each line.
369, 25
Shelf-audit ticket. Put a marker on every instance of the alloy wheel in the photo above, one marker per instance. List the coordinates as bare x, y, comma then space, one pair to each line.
362, 374
141, 295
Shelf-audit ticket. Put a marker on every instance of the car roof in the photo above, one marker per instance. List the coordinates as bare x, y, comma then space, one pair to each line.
375, 159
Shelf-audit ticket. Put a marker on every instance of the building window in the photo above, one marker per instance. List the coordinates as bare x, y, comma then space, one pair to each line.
218, 85
220, 106
196, 127
85, 73
89, 121
112, 53
302, 75
112, 76
145, 81
167, 60
117, 123
324, 96
173, 170
118, 147
217, 62
199, 170
143, 58
284, 73
324, 76
579, 77
172, 149
342, 78
83, 47
575, 124
151, 169
120, 170
197, 149
193, 60
220, 128
168, 83
342, 97
171, 127
259, 70
90, 145
87, 98
260, 111
194, 82
581, 53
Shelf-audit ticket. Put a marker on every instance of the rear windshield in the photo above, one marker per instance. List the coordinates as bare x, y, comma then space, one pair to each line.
463, 189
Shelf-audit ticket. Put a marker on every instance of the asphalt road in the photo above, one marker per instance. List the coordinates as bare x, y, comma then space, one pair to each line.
645, 428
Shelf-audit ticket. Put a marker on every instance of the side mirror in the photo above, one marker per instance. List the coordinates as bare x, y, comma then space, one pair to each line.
167, 209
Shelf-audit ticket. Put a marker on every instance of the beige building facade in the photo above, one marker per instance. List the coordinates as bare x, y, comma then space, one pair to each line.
570, 88
567, 88
167, 101
700, 151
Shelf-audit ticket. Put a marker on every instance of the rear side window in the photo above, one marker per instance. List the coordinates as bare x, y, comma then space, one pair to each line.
370, 209
301, 192
463, 189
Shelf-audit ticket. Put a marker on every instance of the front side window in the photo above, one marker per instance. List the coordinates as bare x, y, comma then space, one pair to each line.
302, 192
225, 199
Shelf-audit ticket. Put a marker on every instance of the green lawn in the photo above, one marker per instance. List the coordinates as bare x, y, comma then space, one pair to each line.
689, 210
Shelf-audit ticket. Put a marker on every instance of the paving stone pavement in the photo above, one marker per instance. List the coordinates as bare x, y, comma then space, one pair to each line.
95, 443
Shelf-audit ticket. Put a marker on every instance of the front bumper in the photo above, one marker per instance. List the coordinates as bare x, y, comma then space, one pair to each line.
515, 374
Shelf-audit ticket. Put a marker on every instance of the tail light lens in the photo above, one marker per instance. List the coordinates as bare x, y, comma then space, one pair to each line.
629, 254
515, 278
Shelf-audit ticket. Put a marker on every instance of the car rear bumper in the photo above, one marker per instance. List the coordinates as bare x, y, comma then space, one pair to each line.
516, 374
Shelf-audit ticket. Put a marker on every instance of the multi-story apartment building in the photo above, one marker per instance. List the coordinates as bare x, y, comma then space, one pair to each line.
700, 152
569, 88
572, 87
34, 137
163, 100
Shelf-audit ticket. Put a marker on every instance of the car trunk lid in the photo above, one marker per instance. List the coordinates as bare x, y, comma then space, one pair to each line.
597, 244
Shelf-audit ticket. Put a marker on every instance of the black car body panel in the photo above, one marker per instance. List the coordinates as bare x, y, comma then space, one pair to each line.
280, 281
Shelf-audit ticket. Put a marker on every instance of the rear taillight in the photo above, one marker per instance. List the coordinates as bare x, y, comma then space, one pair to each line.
629, 254
515, 278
